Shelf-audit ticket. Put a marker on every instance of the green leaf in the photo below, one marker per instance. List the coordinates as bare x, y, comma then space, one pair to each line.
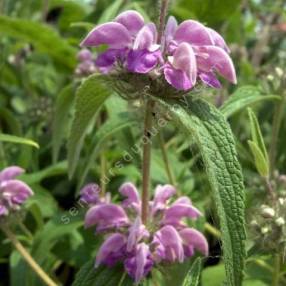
101, 276
214, 138
261, 164
213, 275
110, 13
105, 131
18, 140
89, 98
61, 118
53, 170
243, 97
43, 38
193, 276
256, 133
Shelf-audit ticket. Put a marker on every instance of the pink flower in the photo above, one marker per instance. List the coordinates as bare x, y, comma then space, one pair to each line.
138, 247
13, 192
188, 53
130, 42
195, 51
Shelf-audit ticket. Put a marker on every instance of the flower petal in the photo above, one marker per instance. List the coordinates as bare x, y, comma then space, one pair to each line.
112, 250
142, 61
194, 33
170, 30
185, 60
90, 194
215, 58
218, 40
84, 55
137, 231
132, 20
140, 264
162, 194
106, 60
146, 38
3, 210
106, 216
193, 238
169, 244
10, 173
175, 213
210, 79
132, 196
113, 34
17, 192
177, 78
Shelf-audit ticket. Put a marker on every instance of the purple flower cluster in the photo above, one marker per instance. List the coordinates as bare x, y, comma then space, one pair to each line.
165, 238
13, 192
187, 52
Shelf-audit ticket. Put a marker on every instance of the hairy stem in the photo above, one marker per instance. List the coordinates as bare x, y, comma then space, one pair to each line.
277, 120
169, 171
147, 142
163, 14
29, 259
102, 172
270, 189
276, 272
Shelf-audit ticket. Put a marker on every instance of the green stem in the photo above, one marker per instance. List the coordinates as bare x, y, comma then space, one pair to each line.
276, 272
26, 255
169, 171
212, 230
277, 120
146, 159
25, 230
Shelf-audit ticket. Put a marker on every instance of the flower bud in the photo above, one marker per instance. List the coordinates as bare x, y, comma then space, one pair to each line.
267, 212
282, 201
264, 230
270, 77
279, 72
280, 221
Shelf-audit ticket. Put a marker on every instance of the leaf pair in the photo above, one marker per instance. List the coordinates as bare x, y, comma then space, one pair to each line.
257, 146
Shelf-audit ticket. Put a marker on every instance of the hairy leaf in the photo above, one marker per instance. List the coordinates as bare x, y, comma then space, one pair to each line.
243, 97
89, 98
60, 122
193, 276
17, 140
211, 132
101, 276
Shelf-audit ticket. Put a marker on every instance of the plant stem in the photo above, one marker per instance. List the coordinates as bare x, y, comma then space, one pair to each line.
102, 172
146, 158
212, 230
277, 264
29, 259
166, 160
163, 14
277, 120
270, 189
25, 230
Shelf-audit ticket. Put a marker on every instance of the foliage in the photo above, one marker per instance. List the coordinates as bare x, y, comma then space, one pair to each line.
225, 148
